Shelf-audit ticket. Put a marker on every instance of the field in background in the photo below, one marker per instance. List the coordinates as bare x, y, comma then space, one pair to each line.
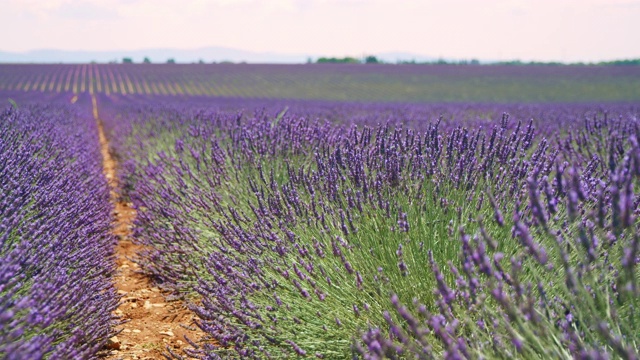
392, 83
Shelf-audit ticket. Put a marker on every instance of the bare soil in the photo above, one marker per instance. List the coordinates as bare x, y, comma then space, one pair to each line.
152, 323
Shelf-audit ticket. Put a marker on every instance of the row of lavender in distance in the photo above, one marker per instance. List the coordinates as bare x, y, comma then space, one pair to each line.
56, 250
392, 230
345, 82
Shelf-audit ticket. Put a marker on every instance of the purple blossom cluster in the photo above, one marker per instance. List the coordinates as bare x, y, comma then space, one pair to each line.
572, 289
468, 234
56, 250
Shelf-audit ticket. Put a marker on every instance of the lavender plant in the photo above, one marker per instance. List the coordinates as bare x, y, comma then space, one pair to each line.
56, 251
294, 236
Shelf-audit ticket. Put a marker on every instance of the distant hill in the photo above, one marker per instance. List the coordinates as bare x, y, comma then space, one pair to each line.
219, 54
207, 54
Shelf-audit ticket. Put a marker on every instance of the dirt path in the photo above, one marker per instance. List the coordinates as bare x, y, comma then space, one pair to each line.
153, 324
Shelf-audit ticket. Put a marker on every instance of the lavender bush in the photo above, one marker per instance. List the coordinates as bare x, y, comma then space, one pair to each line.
571, 292
467, 234
56, 251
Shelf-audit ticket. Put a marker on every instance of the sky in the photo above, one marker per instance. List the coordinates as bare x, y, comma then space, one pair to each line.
540, 30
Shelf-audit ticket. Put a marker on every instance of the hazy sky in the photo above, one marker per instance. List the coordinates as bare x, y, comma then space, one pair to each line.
567, 30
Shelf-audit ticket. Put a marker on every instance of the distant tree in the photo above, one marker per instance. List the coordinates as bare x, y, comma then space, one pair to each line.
171, 61
146, 60
127, 60
200, 61
333, 60
627, 62
371, 60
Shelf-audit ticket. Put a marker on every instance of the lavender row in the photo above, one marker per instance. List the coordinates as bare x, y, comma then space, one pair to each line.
56, 251
385, 83
461, 236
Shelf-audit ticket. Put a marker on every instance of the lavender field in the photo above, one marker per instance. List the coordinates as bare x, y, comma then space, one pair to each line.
344, 82
335, 212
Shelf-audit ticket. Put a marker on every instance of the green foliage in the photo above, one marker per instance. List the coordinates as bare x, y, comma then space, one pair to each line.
627, 62
333, 60
371, 60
